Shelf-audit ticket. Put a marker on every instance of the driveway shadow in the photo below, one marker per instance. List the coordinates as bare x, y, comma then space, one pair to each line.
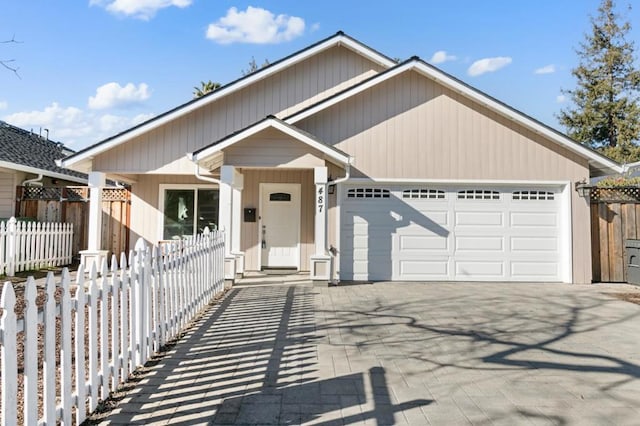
253, 360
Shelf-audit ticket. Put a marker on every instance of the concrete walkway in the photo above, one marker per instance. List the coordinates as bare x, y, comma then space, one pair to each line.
401, 353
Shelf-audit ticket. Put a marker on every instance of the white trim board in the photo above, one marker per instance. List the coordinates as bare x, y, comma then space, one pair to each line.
440, 77
37, 171
274, 123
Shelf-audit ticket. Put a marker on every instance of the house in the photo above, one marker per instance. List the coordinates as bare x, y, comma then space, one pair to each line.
30, 159
340, 161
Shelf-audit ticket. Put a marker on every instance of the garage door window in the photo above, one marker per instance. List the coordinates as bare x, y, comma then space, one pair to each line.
533, 195
429, 194
368, 193
478, 194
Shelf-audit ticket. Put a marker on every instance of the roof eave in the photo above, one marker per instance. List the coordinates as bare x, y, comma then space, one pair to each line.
336, 40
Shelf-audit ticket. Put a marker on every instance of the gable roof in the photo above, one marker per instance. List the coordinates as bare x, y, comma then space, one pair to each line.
598, 163
27, 152
275, 123
338, 39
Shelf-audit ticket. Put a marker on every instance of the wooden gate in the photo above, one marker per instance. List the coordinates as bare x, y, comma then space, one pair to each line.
71, 205
615, 217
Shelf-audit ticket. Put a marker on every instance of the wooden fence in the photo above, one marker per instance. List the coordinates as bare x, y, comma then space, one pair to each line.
615, 217
70, 205
126, 313
25, 246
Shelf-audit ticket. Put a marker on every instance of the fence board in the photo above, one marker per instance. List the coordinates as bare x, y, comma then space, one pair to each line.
70, 205
612, 223
133, 299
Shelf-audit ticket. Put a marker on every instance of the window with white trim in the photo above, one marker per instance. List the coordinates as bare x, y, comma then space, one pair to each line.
187, 211
423, 193
368, 193
478, 194
533, 195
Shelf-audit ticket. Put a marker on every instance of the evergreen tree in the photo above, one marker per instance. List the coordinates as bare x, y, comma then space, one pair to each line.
606, 114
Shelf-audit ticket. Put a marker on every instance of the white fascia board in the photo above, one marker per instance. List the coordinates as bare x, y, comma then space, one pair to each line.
518, 118
34, 170
273, 123
227, 90
465, 90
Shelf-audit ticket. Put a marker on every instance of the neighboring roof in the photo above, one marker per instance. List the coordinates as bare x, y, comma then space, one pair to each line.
598, 163
31, 153
275, 123
338, 39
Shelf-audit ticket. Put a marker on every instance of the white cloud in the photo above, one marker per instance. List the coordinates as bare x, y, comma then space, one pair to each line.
547, 69
486, 65
255, 25
4, 105
112, 94
141, 9
73, 126
441, 56
561, 99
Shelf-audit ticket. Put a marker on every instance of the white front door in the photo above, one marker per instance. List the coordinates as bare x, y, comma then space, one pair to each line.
280, 225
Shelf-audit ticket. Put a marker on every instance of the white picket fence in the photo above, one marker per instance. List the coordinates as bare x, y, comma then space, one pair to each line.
127, 314
25, 246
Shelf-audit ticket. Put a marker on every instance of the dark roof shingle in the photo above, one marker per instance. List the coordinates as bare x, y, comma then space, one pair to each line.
25, 148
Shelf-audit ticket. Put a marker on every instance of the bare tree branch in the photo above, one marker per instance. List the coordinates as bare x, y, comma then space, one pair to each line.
7, 63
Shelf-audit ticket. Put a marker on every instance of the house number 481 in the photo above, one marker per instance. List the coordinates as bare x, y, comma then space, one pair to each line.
320, 199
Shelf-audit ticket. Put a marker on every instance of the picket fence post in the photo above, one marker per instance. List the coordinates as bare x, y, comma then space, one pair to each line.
143, 302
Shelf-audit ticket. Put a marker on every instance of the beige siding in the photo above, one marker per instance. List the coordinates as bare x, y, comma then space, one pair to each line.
412, 128
251, 198
163, 150
272, 148
7, 193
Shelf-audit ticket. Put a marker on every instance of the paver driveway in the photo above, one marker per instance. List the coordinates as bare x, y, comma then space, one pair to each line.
401, 353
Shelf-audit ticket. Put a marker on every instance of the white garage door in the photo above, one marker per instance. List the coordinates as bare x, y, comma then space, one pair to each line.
441, 233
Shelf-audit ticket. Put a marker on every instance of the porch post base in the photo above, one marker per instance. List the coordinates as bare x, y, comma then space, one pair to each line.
320, 266
239, 255
89, 257
230, 269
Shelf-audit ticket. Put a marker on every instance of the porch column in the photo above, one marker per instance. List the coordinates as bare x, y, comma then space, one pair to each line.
226, 221
321, 260
236, 222
93, 253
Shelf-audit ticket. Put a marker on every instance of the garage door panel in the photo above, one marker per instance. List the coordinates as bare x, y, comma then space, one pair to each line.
480, 243
534, 270
413, 243
474, 218
536, 244
538, 220
424, 269
486, 268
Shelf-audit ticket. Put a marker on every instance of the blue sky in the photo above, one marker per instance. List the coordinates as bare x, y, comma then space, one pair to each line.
90, 68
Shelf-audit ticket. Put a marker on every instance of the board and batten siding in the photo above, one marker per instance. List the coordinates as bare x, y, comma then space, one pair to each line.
410, 127
7, 193
272, 148
163, 149
251, 199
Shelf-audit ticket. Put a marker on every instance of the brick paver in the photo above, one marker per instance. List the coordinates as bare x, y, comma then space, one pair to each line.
401, 353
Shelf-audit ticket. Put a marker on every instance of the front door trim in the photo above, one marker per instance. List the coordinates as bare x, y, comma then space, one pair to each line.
295, 189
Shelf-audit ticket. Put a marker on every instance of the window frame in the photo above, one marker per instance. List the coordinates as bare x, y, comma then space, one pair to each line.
163, 187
